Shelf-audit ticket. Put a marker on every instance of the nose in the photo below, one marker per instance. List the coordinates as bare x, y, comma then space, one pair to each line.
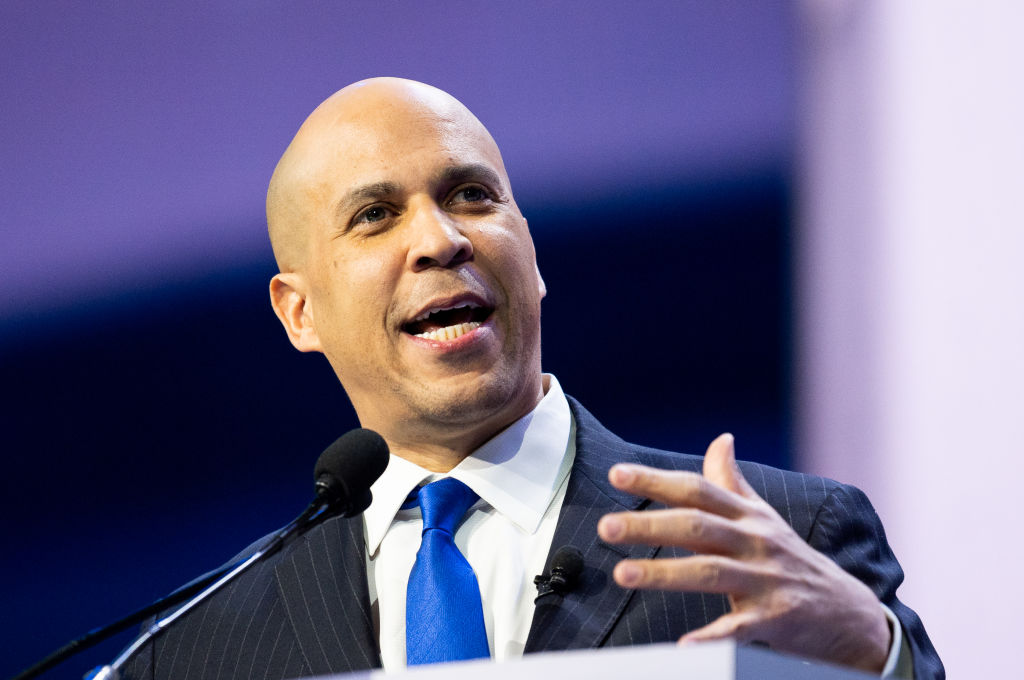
436, 239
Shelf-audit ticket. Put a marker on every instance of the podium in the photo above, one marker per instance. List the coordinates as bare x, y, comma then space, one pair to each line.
722, 660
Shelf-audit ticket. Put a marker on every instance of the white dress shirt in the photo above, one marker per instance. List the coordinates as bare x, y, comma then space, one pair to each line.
520, 476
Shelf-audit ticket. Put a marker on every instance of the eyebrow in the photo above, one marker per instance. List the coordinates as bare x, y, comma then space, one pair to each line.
368, 192
469, 172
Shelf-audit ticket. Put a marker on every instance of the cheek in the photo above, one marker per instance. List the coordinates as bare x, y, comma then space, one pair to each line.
511, 261
362, 288
515, 263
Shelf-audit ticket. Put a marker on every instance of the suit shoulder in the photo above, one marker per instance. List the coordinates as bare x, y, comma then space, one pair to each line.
668, 460
797, 496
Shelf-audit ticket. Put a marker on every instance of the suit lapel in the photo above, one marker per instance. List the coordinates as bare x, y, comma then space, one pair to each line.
584, 617
322, 583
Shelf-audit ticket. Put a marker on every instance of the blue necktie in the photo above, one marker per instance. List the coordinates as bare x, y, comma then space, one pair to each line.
444, 619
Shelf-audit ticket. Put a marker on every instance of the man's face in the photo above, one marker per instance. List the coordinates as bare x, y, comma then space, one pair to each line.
421, 284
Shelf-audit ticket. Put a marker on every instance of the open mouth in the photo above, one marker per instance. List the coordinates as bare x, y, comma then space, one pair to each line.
448, 323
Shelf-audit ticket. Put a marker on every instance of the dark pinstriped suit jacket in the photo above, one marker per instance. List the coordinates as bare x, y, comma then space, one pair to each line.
306, 611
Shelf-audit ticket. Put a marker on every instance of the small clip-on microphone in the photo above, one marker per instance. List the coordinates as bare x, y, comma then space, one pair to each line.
566, 566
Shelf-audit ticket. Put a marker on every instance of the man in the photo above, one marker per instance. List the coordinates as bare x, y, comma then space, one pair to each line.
404, 259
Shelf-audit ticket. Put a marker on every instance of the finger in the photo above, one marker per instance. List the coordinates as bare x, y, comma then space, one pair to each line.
720, 467
739, 626
700, 573
681, 527
676, 489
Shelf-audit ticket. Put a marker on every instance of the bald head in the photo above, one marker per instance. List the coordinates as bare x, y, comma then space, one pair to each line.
361, 118
406, 261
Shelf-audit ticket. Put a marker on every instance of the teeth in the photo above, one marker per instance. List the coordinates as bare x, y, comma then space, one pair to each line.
424, 315
449, 332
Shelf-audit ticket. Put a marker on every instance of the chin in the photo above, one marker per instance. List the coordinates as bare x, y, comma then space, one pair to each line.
478, 399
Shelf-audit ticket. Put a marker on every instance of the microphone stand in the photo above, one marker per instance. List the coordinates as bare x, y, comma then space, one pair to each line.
343, 473
98, 635
311, 514
205, 586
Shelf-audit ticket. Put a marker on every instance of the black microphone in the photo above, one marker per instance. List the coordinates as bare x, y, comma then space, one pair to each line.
343, 475
566, 567
347, 468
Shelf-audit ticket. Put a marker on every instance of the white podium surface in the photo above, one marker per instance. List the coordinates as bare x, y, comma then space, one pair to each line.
723, 660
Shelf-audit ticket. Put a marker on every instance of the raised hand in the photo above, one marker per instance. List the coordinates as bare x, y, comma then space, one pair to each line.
781, 590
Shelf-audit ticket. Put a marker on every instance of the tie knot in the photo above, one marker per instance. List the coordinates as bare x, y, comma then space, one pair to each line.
444, 502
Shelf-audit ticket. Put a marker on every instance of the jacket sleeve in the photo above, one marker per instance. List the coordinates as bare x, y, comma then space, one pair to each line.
848, 530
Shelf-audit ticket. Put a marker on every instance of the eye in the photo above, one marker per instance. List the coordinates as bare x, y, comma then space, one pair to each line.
472, 193
374, 213
373, 219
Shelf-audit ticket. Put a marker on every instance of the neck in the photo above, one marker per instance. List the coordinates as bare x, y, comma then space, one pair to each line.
433, 458
439, 447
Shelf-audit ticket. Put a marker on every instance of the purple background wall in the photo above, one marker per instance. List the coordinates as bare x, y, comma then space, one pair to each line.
144, 375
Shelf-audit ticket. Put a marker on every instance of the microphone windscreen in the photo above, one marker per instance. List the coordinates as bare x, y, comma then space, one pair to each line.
569, 560
356, 459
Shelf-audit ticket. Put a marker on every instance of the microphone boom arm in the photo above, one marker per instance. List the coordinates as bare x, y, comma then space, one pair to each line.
300, 523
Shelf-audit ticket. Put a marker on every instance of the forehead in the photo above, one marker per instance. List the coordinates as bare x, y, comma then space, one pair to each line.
377, 139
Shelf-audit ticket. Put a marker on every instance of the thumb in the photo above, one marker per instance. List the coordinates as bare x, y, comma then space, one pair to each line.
720, 467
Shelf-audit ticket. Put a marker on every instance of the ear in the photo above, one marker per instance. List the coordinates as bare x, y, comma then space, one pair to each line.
289, 298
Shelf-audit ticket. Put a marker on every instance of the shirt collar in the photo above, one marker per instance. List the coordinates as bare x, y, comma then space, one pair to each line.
517, 471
